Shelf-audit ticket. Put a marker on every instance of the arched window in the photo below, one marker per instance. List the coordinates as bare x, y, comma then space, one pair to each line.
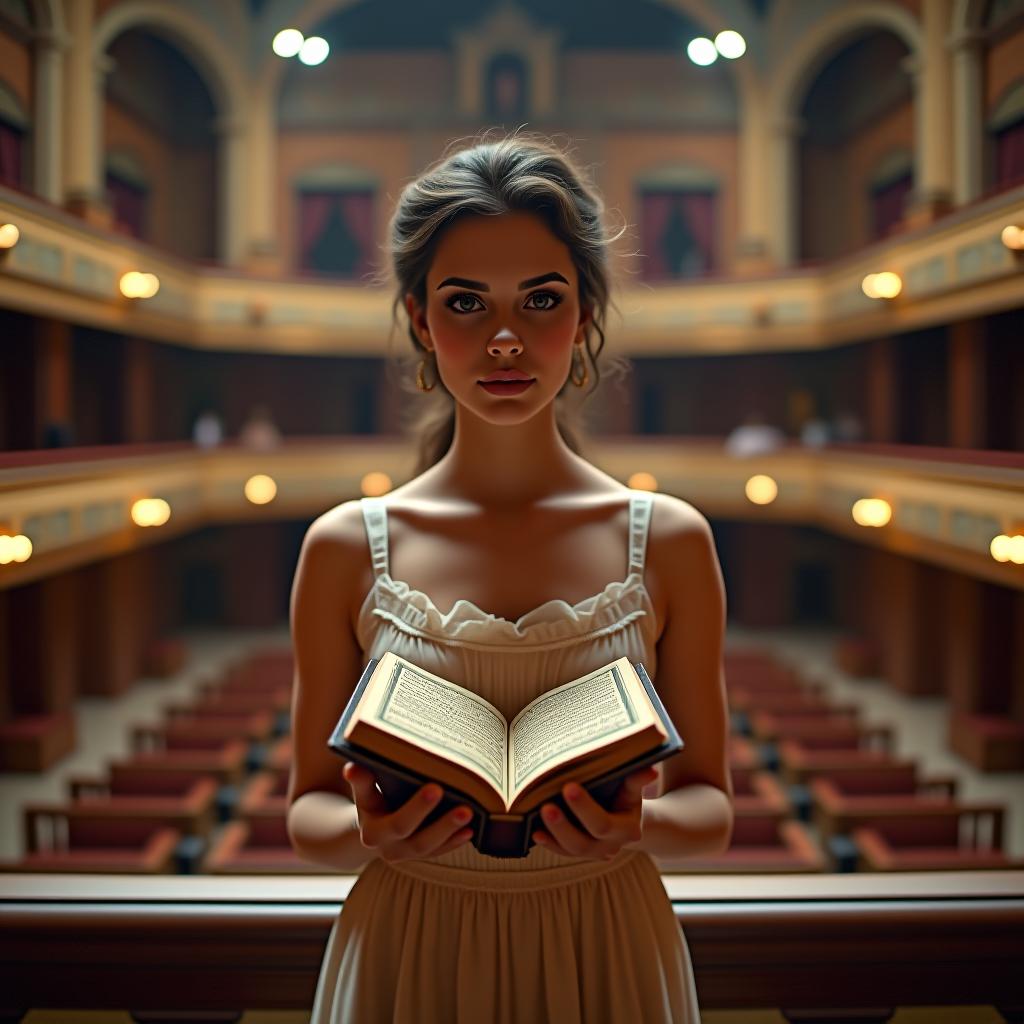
1006, 129
14, 126
678, 223
335, 221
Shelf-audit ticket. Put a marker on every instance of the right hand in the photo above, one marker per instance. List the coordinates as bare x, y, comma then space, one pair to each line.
396, 835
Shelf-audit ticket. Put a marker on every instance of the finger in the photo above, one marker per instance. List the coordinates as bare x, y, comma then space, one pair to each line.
631, 792
364, 789
570, 838
443, 834
403, 822
592, 815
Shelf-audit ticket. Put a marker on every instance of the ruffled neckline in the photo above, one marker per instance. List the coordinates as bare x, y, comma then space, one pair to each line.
413, 611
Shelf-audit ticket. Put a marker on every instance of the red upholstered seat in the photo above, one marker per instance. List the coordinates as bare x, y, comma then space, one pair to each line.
758, 844
258, 846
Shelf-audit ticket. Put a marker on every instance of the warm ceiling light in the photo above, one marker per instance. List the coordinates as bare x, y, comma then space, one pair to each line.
642, 481
137, 285
761, 489
260, 489
375, 484
314, 51
702, 51
730, 44
287, 42
871, 512
9, 235
1013, 237
150, 512
885, 285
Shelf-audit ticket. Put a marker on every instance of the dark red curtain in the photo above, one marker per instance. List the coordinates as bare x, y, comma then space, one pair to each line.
128, 203
1010, 155
336, 232
887, 205
677, 234
11, 143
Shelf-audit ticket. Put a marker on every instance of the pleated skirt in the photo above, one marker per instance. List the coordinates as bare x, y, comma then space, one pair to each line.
419, 942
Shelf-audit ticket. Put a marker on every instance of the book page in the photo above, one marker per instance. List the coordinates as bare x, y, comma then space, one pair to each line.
569, 721
462, 725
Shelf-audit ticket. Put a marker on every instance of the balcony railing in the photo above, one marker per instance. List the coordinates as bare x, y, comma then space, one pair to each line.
836, 947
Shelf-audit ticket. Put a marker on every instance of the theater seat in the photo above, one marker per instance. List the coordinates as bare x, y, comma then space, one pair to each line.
66, 843
759, 844
938, 843
34, 743
758, 793
265, 796
801, 760
992, 743
256, 847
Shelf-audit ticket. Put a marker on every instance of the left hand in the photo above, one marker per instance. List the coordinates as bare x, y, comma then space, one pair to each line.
607, 831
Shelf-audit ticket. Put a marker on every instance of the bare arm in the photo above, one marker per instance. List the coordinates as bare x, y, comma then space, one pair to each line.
322, 822
695, 813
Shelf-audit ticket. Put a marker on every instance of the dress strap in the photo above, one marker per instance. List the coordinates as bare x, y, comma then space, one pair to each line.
375, 516
640, 505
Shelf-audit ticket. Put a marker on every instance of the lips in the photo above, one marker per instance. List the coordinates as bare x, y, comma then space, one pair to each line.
506, 375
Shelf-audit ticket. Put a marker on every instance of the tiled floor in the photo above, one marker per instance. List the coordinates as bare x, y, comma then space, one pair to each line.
103, 724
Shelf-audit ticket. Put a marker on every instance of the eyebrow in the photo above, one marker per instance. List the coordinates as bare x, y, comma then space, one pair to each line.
479, 286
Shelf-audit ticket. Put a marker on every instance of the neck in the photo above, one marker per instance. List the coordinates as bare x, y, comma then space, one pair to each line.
506, 467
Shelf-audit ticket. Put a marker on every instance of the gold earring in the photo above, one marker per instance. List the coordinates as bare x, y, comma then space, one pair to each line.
583, 360
420, 382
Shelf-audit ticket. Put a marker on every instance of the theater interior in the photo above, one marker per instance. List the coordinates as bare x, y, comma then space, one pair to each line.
820, 296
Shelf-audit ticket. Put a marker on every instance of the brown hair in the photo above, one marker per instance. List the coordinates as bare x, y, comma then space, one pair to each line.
521, 172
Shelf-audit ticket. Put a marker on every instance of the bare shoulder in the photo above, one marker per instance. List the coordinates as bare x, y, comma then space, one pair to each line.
682, 561
335, 543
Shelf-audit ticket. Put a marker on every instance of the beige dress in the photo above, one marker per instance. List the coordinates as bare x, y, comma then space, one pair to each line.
467, 938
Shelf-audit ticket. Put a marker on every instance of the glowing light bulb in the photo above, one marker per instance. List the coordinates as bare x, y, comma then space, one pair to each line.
642, 481
260, 489
287, 42
314, 51
9, 235
730, 44
871, 512
375, 484
761, 489
702, 51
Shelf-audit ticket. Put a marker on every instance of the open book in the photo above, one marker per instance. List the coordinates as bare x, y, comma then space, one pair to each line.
410, 726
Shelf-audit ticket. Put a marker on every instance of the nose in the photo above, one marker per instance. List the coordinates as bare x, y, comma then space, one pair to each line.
504, 341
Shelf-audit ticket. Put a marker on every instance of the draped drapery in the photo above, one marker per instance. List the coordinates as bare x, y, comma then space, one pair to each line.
336, 232
678, 233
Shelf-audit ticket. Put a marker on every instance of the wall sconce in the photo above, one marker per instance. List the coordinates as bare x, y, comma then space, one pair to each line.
885, 285
137, 285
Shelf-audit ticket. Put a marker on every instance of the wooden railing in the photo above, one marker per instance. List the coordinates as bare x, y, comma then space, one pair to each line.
835, 947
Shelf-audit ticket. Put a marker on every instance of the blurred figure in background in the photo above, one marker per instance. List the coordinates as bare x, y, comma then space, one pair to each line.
208, 431
754, 436
259, 430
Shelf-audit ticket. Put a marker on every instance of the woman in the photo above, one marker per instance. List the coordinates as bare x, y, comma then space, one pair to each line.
501, 262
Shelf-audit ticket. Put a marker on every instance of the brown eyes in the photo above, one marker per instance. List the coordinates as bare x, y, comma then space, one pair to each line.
455, 303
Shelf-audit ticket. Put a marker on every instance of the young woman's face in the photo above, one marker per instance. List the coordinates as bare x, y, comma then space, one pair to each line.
502, 293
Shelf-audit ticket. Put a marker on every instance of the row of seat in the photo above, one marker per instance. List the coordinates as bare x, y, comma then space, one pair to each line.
815, 790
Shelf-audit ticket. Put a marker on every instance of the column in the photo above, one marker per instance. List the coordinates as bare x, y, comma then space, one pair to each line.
48, 116
232, 143
84, 188
784, 177
762, 592
262, 254
933, 166
753, 254
967, 49
109, 618
968, 407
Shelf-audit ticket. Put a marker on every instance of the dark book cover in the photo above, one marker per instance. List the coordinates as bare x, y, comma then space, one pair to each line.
495, 834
